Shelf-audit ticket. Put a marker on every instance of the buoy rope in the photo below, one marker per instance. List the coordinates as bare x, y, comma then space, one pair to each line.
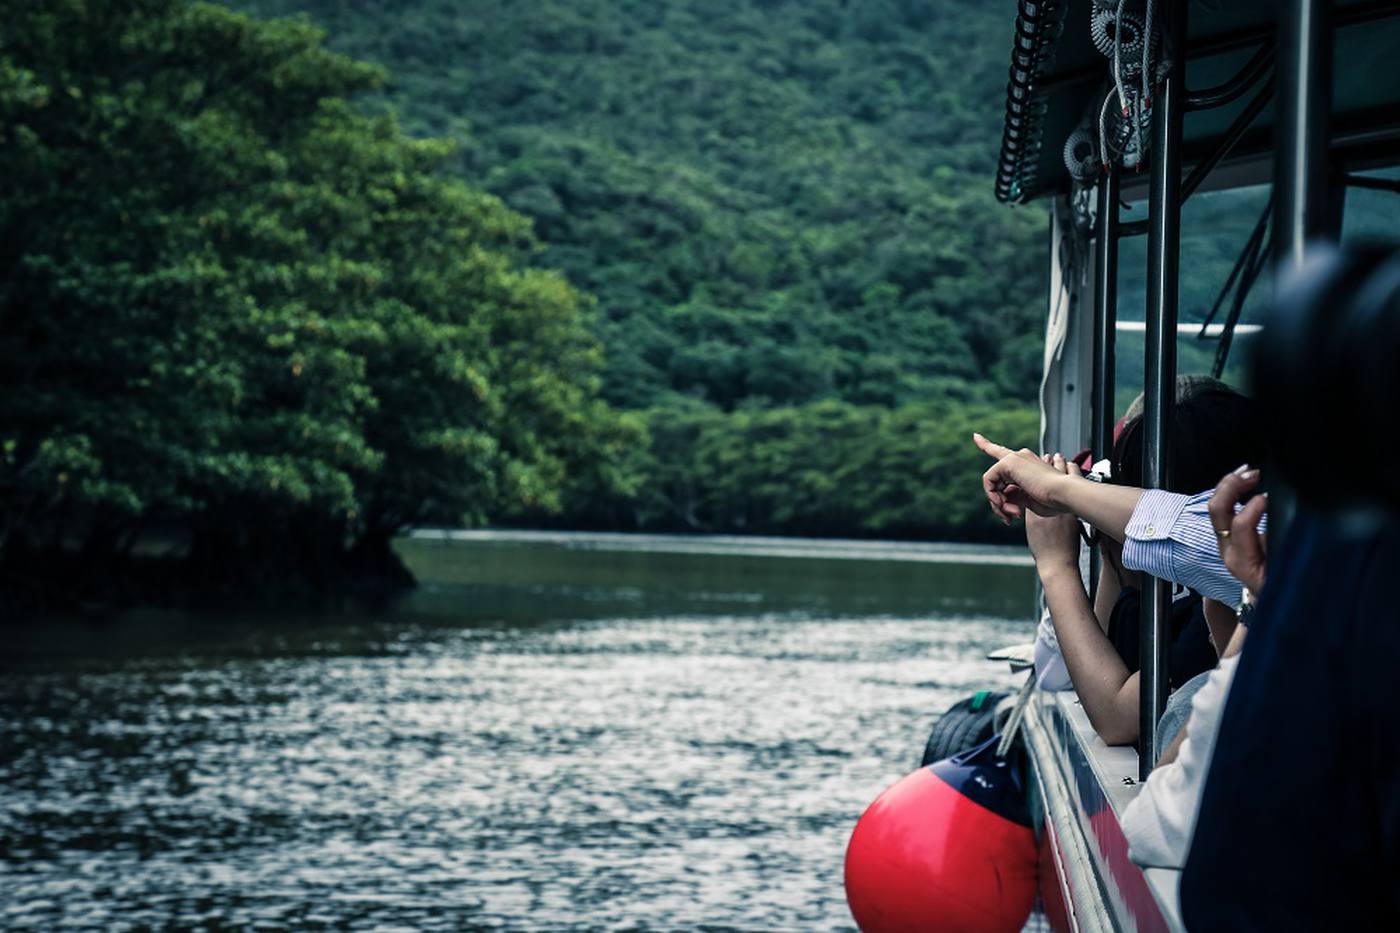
1146, 49
1104, 157
1118, 57
1018, 712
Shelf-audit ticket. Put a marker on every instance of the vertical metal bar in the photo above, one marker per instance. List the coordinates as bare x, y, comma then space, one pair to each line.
1304, 95
1303, 81
1052, 277
1105, 333
1163, 258
1105, 313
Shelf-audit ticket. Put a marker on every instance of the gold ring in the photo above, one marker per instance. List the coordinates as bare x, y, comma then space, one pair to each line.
1222, 534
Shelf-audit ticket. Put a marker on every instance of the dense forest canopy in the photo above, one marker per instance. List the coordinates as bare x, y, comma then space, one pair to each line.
777, 207
278, 288
773, 202
245, 319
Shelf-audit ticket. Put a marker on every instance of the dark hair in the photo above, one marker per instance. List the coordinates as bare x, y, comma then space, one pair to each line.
1212, 432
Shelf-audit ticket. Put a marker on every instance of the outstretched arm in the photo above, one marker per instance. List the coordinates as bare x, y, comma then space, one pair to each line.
1020, 482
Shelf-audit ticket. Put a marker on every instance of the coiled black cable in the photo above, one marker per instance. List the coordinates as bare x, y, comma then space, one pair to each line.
1038, 23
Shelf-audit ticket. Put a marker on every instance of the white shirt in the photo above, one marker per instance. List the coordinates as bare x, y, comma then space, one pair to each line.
1050, 670
1160, 821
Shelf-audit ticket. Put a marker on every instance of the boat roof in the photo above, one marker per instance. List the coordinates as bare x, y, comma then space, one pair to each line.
1057, 76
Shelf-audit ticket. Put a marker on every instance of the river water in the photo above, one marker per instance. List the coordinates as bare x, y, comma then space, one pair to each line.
554, 732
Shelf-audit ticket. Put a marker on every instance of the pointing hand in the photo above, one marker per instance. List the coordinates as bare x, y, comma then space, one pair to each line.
1019, 481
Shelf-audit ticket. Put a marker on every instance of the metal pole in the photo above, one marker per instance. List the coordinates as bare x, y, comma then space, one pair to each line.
1163, 256
1105, 333
1304, 80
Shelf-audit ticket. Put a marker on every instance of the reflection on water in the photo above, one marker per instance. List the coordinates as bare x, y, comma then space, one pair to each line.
542, 737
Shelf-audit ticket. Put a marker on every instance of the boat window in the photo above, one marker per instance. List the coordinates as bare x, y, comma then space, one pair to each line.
1215, 230
1371, 213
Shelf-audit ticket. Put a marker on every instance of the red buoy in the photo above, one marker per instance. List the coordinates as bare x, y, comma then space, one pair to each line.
947, 848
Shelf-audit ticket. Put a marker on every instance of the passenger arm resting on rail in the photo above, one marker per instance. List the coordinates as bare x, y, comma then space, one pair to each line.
1108, 691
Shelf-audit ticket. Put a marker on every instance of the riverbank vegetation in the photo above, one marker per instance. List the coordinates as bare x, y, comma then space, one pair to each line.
784, 212
250, 326
862, 470
687, 265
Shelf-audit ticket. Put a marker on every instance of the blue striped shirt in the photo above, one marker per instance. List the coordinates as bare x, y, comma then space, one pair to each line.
1170, 536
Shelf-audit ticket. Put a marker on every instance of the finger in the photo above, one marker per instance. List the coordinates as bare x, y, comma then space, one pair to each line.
1058, 462
1015, 501
1073, 468
995, 500
1246, 545
1220, 511
1228, 492
989, 448
1245, 522
992, 486
999, 507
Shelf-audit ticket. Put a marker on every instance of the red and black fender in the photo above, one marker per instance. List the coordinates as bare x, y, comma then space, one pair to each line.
948, 848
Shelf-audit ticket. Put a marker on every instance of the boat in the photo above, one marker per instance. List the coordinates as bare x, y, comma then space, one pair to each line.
1232, 105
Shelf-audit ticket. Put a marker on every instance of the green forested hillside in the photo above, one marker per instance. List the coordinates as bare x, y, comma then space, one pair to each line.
777, 206
773, 202
274, 290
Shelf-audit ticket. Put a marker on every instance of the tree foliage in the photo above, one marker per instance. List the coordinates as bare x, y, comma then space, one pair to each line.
783, 208
809, 470
238, 311
775, 201
246, 314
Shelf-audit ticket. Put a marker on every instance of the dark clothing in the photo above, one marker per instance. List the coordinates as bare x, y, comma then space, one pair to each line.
1191, 652
1299, 826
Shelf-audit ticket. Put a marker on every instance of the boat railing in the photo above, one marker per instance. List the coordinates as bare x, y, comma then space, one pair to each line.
1086, 785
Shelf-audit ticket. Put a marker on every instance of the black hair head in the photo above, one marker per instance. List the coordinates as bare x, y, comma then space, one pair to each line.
1212, 432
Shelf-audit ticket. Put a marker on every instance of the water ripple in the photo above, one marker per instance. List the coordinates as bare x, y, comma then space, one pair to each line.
663, 773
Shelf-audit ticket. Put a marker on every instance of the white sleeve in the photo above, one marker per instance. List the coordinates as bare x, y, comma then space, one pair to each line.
1050, 671
1159, 821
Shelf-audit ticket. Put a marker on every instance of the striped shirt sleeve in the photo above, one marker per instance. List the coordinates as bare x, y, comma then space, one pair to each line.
1170, 536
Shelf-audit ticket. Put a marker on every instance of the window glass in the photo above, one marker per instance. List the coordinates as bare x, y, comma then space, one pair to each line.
1215, 229
1369, 214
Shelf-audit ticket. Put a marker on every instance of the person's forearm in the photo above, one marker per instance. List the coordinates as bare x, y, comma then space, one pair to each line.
1107, 594
1173, 749
1236, 644
1101, 679
1103, 505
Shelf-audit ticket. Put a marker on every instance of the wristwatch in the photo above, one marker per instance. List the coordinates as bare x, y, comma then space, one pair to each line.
1245, 609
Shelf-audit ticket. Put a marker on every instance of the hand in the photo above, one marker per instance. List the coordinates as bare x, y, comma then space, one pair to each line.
1054, 539
1237, 535
1018, 481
